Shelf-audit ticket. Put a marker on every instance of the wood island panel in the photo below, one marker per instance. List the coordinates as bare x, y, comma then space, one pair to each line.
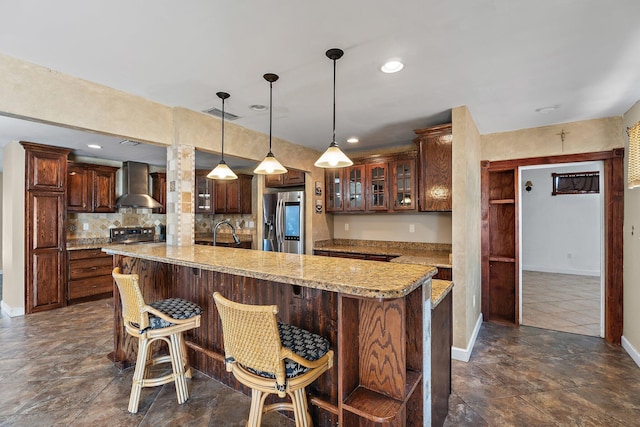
376, 378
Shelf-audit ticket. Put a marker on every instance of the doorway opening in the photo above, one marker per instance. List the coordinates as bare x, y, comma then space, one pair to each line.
561, 250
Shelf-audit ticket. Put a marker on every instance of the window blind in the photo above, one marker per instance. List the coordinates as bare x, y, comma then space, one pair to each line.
634, 156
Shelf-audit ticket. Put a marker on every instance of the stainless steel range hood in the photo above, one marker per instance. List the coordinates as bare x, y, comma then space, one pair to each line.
135, 187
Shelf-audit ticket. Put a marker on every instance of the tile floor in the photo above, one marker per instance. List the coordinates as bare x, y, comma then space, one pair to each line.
53, 372
562, 302
535, 377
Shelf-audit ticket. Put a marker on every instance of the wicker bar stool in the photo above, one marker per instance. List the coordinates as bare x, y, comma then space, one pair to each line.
271, 357
163, 320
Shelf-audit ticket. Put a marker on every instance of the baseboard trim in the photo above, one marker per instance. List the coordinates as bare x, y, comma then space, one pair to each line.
10, 311
464, 354
542, 269
635, 354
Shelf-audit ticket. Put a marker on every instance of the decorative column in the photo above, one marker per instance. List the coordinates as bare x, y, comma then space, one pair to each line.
181, 161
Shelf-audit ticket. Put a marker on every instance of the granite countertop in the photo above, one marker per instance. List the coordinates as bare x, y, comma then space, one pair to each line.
352, 277
439, 290
424, 256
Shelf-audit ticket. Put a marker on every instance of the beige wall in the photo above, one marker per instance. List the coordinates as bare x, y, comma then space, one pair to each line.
430, 227
466, 227
580, 137
631, 331
13, 229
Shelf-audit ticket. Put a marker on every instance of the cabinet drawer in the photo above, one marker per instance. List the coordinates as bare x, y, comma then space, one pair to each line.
91, 286
82, 268
88, 253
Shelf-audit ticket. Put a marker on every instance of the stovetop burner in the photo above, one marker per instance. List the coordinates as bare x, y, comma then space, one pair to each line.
132, 235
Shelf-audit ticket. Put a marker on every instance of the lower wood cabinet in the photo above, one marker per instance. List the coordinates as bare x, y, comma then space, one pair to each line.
441, 342
444, 274
89, 273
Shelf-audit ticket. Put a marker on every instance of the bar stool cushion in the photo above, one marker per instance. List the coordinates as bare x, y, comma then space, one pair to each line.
302, 342
175, 308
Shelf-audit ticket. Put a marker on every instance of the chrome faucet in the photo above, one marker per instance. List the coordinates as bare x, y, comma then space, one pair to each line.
233, 231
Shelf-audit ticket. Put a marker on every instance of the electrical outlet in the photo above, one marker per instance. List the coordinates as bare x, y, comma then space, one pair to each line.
474, 300
412, 228
85, 226
346, 227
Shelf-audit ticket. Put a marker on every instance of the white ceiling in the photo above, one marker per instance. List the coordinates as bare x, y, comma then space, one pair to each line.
502, 58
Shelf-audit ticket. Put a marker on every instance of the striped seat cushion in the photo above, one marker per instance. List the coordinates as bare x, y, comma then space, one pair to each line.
176, 308
304, 343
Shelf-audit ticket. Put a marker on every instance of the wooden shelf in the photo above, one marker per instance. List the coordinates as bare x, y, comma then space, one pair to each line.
372, 405
502, 201
501, 259
377, 407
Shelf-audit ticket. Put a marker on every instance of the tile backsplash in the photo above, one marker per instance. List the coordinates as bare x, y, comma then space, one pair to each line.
245, 224
97, 225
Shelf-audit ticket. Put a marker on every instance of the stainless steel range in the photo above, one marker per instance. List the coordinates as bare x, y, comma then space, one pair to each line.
126, 235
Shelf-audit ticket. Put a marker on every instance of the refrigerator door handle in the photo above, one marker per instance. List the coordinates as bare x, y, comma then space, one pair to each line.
280, 225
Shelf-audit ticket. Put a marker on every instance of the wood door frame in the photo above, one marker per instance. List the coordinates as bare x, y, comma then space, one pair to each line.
613, 227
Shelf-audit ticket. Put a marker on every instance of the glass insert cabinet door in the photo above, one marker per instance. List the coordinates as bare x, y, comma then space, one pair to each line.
355, 188
204, 192
378, 198
333, 185
404, 185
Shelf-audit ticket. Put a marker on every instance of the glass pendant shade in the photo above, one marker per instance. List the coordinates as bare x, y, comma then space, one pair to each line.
270, 165
222, 171
333, 157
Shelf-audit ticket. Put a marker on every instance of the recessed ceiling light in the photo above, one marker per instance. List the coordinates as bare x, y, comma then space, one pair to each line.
96, 146
352, 140
392, 66
258, 107
548, 109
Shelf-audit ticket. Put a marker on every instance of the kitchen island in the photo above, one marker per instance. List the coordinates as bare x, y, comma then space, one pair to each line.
377, 317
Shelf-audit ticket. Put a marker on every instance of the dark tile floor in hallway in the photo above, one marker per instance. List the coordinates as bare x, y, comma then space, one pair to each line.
53, 371
535, 377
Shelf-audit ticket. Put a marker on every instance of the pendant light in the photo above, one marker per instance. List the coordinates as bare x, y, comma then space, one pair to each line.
270, 166
222, 171
334, 157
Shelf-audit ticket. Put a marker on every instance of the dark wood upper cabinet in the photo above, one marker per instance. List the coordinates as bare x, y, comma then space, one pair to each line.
91, 188
44, 169
291, 178
354, 188
377, 190
104, 188
204, 195
403, 184
334, 196
78, 188
233, 196
159, 190
45, 231
434, 165
373, 184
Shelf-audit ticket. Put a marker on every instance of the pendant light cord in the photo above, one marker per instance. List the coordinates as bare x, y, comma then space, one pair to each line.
270, 112
334, 101
222, 129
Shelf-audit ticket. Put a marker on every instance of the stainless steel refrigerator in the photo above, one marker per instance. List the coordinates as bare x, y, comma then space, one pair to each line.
283, 215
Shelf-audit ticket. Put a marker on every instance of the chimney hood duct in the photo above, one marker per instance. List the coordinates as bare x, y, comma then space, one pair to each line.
135, 185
